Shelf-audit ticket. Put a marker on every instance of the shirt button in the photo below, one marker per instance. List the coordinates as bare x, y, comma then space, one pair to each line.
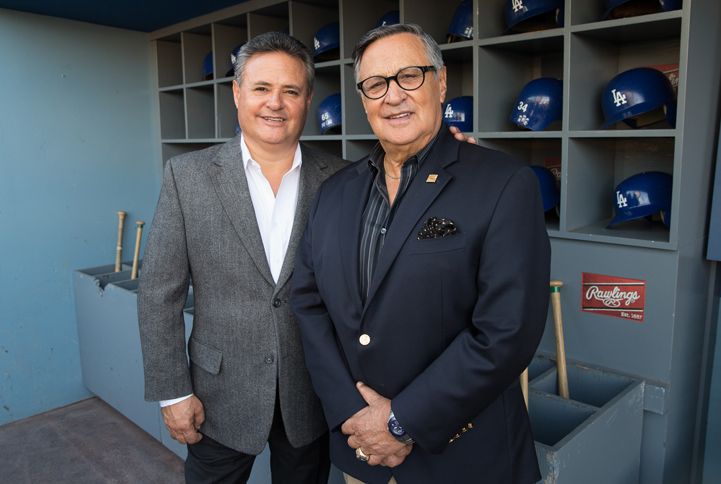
383, 231
276, 303
269, 359
364, 339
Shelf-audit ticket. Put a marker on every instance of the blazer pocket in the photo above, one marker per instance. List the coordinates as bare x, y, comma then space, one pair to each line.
440, 244
204, 356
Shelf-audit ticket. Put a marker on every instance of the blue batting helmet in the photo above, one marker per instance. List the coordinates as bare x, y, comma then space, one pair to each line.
636, 92
525, 15
643, 195
550, 194
208, 66
389, 18
329, 113
459, 112
461, 26
233, 55
326, 39
634, 7
539, 104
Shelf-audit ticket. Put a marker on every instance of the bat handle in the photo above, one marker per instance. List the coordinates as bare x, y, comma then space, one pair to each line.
119, 244
524, 386
560, 344
136, 254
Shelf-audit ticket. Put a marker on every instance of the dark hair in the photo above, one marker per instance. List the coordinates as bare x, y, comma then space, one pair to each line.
432, 50
275, 42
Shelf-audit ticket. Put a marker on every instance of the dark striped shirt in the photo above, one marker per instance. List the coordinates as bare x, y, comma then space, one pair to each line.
378, 214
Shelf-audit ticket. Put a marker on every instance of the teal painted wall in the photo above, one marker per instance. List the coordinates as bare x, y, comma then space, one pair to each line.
78, 141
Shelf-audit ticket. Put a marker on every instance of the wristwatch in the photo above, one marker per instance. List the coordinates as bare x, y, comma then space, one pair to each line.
397, 431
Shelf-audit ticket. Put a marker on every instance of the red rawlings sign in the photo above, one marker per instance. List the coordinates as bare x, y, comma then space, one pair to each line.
613, 296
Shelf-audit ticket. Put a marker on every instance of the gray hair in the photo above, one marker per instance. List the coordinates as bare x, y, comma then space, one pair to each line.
274, 42
433, 52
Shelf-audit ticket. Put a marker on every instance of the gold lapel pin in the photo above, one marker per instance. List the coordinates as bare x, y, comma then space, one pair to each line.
432, 178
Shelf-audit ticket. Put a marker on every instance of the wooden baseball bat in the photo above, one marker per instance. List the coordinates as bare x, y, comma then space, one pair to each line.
560, 344
119, 245
524, 386
136, 255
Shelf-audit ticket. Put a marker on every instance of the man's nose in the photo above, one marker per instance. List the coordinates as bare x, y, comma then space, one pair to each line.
395, 93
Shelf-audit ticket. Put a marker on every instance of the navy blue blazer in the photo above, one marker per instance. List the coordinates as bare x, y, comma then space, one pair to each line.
452, 321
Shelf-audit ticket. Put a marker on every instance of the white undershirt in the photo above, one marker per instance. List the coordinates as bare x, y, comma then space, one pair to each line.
273, 212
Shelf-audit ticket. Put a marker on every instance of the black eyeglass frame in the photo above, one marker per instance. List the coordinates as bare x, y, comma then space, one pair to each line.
388, 80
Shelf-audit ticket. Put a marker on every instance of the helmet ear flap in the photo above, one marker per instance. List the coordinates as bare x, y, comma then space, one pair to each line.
539, 104
329, 114
639, 97
459, 112
644, 195
533, 15
461, 26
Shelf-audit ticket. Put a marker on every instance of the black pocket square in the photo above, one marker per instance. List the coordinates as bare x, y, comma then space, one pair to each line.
437, 227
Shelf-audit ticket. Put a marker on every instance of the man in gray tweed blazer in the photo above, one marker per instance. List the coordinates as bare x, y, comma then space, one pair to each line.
230, 217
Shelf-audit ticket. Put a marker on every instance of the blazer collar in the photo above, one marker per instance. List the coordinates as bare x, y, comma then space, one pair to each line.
228, 175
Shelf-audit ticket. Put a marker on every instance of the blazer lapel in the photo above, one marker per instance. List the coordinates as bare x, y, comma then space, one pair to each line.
352, 205
231, 185
415, 202
312, 174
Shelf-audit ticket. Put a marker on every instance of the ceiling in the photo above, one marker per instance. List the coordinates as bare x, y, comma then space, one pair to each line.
141, 15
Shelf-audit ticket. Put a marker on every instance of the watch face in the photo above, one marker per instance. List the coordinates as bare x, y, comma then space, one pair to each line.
395, 428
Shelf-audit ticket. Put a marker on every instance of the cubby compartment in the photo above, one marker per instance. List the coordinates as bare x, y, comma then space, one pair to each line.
358, 149
174, 149
433, 16
327, 82
577, 442
170, 61
227, 35
227, 117
334, 147
196, 46
586, 385
273, 18
355, 119
459, 75
359, 18
172, 114
595, 167
590, 11
545, 152
504, 69
600, 54
200, 103
539, 366
308, 18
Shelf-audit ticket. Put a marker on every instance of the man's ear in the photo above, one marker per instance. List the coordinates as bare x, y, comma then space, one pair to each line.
236, 92
443, 84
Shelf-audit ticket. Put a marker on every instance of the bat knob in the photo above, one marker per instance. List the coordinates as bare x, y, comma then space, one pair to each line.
556, 285
139, 223
121, 214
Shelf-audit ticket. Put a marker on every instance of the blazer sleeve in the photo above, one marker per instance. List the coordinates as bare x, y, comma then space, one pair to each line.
163, 290
507, 323
328, 370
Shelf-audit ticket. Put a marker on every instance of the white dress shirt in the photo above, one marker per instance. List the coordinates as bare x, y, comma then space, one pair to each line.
273, 212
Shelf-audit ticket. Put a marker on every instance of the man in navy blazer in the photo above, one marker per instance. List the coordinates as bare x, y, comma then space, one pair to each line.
421, 287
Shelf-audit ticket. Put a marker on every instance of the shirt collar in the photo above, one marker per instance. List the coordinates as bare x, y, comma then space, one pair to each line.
248, 159
375, 158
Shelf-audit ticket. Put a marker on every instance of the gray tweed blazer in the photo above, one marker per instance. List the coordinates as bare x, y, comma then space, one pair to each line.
244, 340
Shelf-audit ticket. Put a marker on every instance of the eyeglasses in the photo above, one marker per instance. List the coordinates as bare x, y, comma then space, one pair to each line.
409, 79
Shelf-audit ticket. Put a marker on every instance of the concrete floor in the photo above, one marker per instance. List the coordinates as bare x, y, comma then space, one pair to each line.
86, 442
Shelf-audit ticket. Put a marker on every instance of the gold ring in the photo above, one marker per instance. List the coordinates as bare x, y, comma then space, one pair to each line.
360, 455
